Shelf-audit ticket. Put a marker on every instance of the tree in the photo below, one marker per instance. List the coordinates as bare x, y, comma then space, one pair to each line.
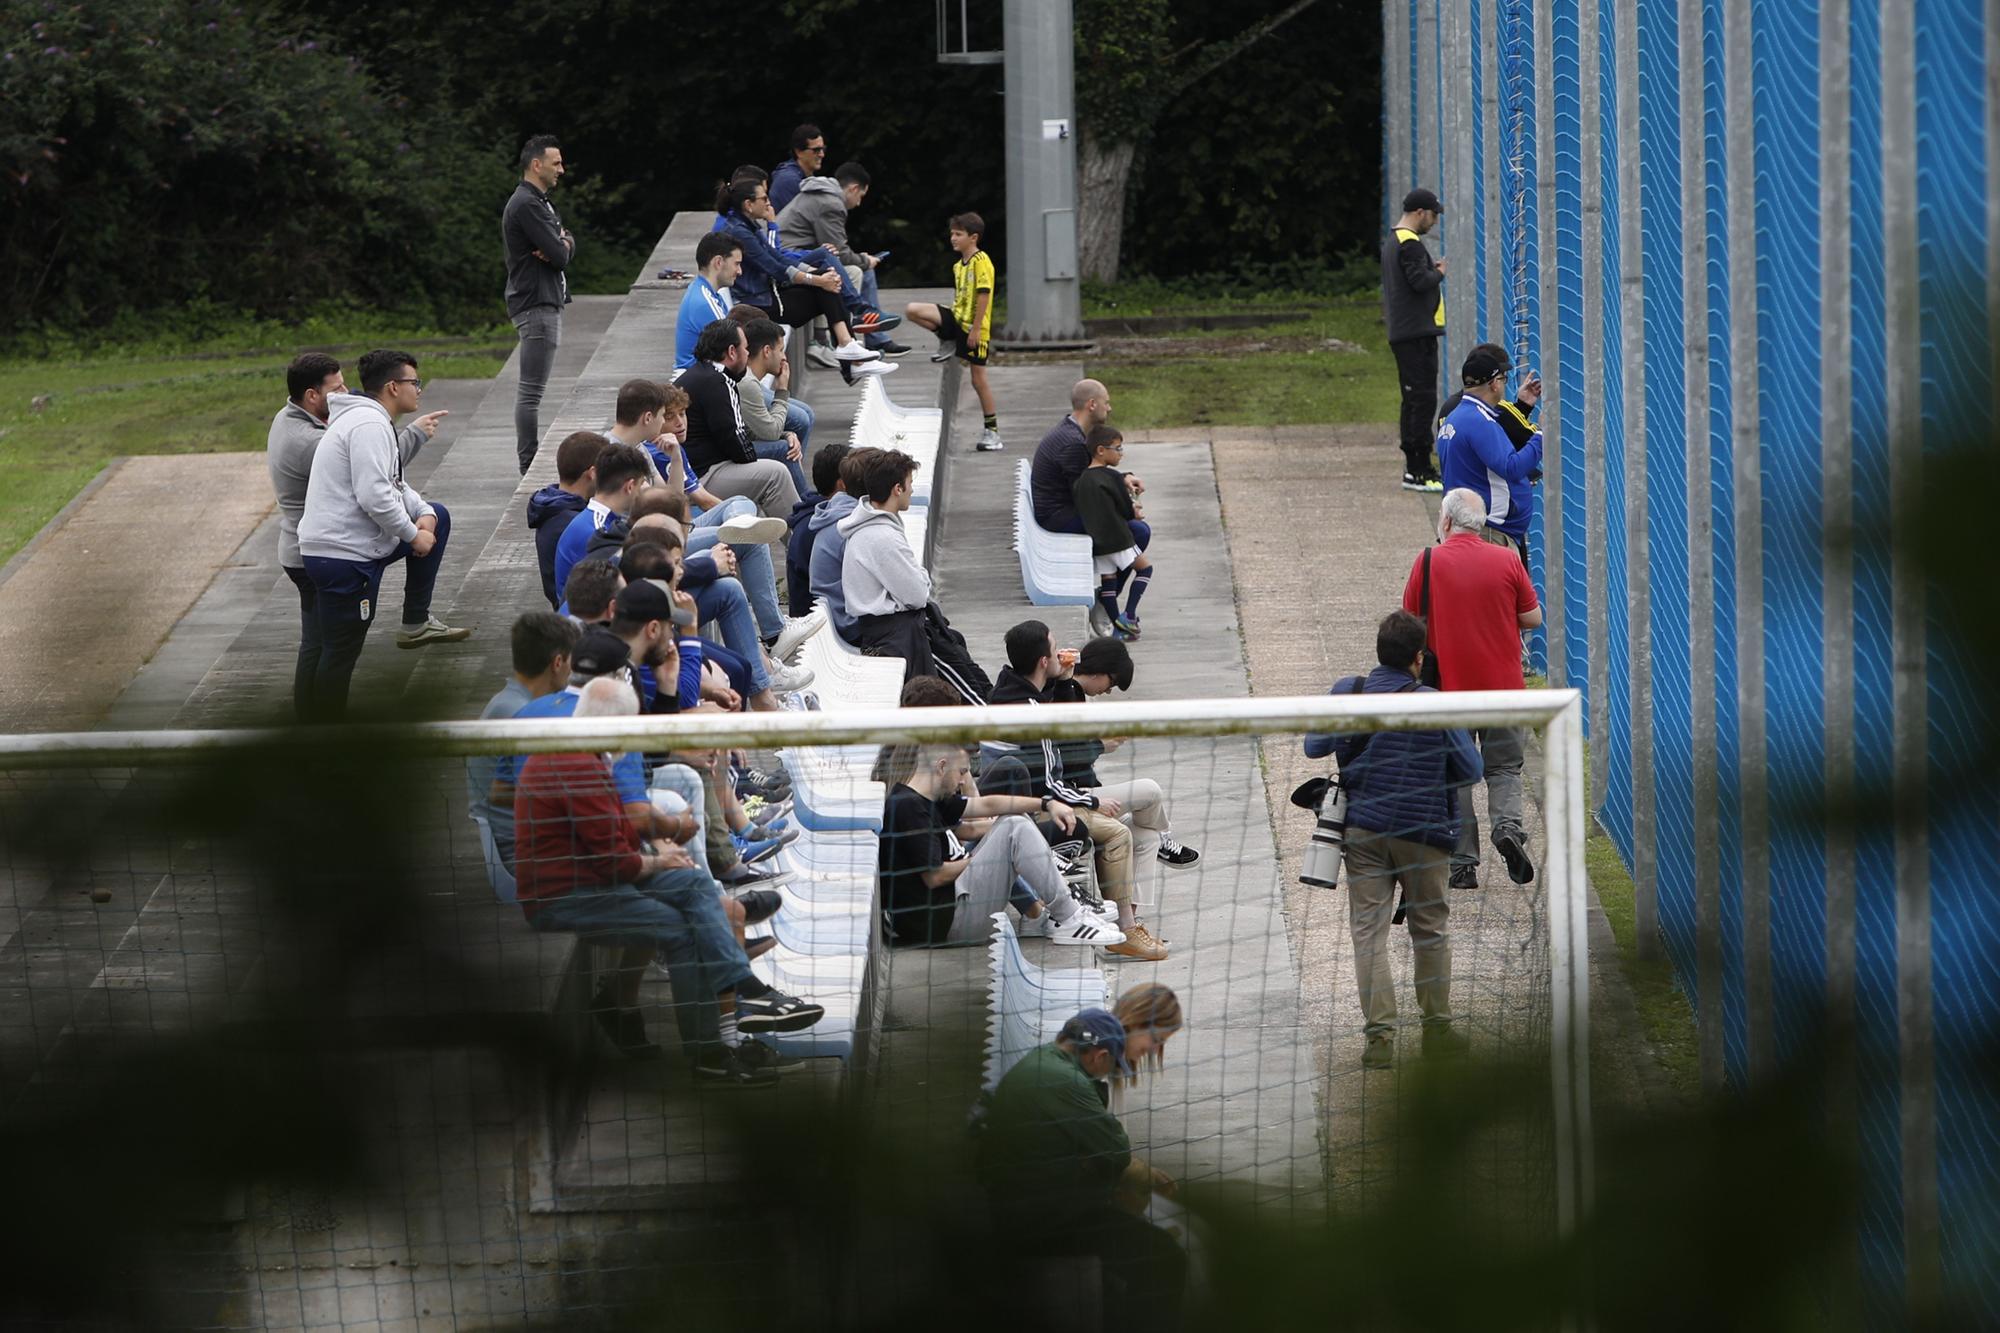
1127, 73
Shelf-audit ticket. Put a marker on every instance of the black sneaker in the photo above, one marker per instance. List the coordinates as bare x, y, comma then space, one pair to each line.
1423, 481
728, 1070
888, 347
775, 1011
1465, 877
627, 1031
740, 876
758, 1055
759, 905
1519, 868
1442, 1043
1177, 853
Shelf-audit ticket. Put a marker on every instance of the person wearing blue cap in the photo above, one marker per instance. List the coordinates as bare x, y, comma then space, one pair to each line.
1053, 1159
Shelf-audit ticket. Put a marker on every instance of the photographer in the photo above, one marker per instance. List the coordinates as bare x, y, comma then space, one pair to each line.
1401, 828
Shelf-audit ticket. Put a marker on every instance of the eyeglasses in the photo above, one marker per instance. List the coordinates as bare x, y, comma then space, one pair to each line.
416, 383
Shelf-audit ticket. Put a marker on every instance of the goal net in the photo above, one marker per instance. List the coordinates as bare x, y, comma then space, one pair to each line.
345, 1028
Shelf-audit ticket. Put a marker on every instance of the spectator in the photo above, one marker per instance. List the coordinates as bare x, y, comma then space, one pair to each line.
718, 440
829, 543
584, 869
808, 156
1059, 1170
764, 415
589, 591
1401, 797
538, 248
1061, 457
1104, 503
799, 546
888, 593
816, 218
719, 257
311, 382
1475, 599
933, 892
621, 471
967, 328
1034, 675
359, 517
542, 645
1413, 311
552, 507
1102, 665
1516, 418
719, 598
793, 288
1478, 455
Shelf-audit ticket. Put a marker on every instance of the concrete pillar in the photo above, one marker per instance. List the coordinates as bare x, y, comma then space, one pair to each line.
1044, 302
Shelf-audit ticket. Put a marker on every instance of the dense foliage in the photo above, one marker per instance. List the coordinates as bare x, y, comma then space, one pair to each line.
273, 158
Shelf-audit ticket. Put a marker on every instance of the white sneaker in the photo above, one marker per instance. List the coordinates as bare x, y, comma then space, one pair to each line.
819, 354
1084, 928
1100, 623
854, 351
751, 530
788, 679
988, 442
1100, 909
793, 636
877, 368
431, 631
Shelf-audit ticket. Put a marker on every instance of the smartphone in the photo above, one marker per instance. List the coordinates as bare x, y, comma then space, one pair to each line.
881, 255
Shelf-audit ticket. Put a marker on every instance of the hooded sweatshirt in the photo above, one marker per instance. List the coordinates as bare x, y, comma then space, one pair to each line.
549, 511
816, 216
1047, 761
878, 571
294, 439
829, 549
358, 507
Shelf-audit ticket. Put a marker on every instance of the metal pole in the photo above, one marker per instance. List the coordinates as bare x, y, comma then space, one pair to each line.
1044, 304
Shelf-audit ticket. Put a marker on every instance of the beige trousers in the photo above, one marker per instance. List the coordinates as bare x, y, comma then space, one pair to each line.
1376, 865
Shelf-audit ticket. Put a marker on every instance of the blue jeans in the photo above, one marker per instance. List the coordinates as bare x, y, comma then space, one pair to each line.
725, 604
346, 593
871, 295
753, 560
799, 418
677, 913
776, 451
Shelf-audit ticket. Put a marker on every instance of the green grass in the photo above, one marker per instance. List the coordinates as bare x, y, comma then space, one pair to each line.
177, 395
1281, 374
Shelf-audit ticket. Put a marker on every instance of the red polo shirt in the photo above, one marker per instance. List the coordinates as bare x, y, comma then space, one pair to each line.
1478, 592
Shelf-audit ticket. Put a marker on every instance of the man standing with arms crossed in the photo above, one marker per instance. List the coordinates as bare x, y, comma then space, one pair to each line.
1413, 312
538, 249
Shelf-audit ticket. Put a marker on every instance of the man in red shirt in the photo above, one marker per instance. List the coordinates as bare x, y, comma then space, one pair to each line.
1476, 597
581, 868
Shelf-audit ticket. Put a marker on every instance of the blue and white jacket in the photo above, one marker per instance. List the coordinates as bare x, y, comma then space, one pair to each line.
1474, 452
700, 307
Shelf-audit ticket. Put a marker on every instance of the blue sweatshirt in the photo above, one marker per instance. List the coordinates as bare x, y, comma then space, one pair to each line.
549, 511
828, 551
701, 306
1474, 452
1402, 783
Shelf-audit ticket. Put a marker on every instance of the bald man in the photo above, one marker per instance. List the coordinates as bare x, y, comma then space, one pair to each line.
1061, 458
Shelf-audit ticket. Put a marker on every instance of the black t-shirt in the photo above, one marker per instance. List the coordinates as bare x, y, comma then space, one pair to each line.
917, 839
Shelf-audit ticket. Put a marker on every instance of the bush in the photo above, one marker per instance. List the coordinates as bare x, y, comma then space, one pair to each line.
158, 154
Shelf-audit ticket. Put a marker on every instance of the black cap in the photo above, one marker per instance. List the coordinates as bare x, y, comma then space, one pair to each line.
1106, 657
1420, 198
1482, 363
599, 653
644, 599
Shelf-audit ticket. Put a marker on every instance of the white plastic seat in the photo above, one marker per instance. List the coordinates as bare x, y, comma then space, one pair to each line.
829, 794
845, 678
817, 931
497, 874
1056, 567
880, 424
1026, 1004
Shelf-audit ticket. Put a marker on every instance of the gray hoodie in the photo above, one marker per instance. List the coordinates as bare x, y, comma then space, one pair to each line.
878, 571
294, 439
357, 505
817, 216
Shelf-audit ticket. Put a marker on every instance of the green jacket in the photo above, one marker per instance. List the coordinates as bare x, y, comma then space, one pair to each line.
1051, 1149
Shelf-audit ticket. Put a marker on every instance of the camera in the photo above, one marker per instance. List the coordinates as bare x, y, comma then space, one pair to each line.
1322, 863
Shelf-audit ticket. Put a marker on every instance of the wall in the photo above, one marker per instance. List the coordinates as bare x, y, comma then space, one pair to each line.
1750, 244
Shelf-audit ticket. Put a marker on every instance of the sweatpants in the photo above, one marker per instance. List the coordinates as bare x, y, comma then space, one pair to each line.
1014, 848
1417, 373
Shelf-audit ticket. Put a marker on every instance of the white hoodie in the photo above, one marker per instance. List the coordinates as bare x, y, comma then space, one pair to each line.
879, 574
357, 505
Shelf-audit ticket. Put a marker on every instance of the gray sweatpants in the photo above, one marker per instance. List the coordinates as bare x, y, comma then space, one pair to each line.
765, 483
1501, 748
1014, 847
540, 330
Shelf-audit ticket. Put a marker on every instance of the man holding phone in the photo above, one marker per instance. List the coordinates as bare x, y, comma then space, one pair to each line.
1516, 422
816, 217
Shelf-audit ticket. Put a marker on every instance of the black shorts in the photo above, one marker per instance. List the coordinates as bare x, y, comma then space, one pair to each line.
949, 330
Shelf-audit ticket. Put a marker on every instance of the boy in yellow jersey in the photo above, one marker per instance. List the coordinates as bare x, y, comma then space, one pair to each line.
967, 328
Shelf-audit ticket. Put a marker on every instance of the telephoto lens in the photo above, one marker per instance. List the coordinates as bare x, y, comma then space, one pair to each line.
1322, 863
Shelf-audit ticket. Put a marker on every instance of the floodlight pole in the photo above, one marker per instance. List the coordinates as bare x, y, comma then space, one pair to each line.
1043, 301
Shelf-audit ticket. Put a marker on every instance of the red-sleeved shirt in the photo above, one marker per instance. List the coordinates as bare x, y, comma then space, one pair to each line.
1479, 591
570, 828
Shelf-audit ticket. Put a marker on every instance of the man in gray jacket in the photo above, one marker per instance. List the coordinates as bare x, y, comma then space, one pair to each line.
312, 381
360, 515
538, 249
817, 217
888, 593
